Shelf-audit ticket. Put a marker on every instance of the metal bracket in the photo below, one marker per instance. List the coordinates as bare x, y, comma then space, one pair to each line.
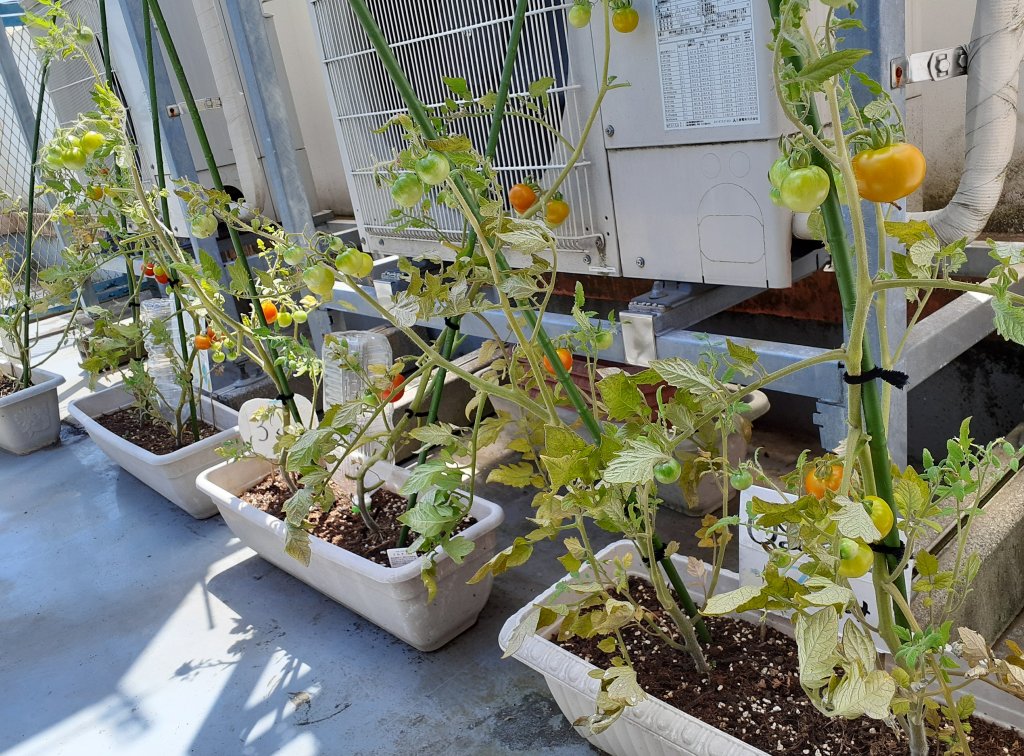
931, 65
207, 103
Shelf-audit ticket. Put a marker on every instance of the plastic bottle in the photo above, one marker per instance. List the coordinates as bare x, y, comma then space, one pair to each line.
158, 360
343, 385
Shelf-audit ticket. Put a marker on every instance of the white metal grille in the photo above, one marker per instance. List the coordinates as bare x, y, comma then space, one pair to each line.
467, 40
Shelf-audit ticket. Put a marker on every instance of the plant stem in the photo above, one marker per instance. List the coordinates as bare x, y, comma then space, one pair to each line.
26, 360
277, 371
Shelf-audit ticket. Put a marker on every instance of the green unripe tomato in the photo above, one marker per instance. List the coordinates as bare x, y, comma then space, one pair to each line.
668, 471
354, 263
84, 36
779, 171
54, 158
319, 279
284, 320
407, 190
855, 558
294, 255
604, 340
92, 141
579, 15
74, 158
433, 168
218, 356
804, 189
776, 197
204, 226
741, 480
300, 316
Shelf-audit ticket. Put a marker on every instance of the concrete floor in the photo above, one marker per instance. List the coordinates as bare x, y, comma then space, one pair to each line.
130, 628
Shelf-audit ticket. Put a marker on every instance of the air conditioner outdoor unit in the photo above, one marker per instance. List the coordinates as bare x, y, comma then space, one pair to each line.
673, 183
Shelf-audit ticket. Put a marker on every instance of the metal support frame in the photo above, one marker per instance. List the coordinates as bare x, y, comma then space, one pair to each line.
14, 82
269, 106
177, 153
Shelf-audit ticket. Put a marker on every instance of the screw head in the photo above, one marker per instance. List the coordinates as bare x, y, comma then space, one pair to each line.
640, 262
609, 130
586, 259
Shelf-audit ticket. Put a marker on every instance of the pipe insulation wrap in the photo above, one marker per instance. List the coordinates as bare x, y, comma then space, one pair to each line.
233, 102
994, 60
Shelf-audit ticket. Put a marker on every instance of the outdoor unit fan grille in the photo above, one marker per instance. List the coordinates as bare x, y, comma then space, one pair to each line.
464, 40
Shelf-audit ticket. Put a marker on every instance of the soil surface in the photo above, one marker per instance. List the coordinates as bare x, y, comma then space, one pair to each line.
144, 433
8, 386
754, 694
342, 526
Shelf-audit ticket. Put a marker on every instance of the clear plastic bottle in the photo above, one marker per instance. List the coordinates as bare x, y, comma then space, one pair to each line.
343, 385
158, 361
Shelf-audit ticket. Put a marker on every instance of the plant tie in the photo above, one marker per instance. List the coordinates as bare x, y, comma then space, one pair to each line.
897, 551
284, 398
894, 378
659, 554
451, 323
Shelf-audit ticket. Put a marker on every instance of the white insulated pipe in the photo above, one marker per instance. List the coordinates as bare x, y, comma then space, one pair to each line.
994, 60
233, 103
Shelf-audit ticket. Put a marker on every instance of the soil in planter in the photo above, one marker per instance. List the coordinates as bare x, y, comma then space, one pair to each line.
341, 526
148, 435
8, 386
753, 692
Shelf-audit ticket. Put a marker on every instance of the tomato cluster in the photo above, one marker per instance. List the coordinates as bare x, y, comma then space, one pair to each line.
524, 195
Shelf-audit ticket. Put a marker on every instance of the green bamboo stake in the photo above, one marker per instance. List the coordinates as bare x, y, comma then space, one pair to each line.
842, 261
421, 117
165, 211
211, 164
26, 359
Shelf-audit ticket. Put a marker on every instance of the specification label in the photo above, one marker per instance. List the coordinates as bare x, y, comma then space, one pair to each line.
706, 52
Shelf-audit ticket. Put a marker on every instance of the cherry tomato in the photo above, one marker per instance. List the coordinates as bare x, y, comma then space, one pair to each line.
407, 190
395, 391
299, 316
204, 225
319, 279
84, 36
203, 342
284, 320
294, 255
147, 270
94, 192
855, 558
881, 514
776, 196
779, 171
564, 356
211, 333
604, 340
890, 173
162, 278
816, 486
74, 158
218, 356
625, 19
53, 158
354, 263
804, 189
668, 471
556, 212
579, 14
522, 197
741, 480
433, 168
269, 311
92, 141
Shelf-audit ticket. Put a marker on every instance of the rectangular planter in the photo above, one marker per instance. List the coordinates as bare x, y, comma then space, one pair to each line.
171, 475
30, 418
394, 599
654, 728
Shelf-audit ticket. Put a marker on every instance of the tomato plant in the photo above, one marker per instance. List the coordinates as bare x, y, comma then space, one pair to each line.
889, 173
564, 356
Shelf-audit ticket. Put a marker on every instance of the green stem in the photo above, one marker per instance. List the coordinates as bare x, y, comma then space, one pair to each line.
846, 277
278, 373
165, 212
26, 360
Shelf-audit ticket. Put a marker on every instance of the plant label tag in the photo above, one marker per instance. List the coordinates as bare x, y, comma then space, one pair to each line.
402, 557
261, 421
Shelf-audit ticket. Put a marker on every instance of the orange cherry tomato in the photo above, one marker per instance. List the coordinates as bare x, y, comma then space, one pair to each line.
212, 334
890, 173
556, 212
816, 486
564, 356
269, 311
202, 342
522, 197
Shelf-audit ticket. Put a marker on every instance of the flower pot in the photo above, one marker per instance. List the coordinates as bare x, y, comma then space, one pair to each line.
30, 418
171, 475
394, 599
654, 728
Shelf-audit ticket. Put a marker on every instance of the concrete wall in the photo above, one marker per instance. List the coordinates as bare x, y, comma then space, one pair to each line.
935, 114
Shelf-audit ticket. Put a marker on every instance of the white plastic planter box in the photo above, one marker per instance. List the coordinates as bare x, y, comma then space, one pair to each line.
654, 728
394, 599
171, 475
30, 418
